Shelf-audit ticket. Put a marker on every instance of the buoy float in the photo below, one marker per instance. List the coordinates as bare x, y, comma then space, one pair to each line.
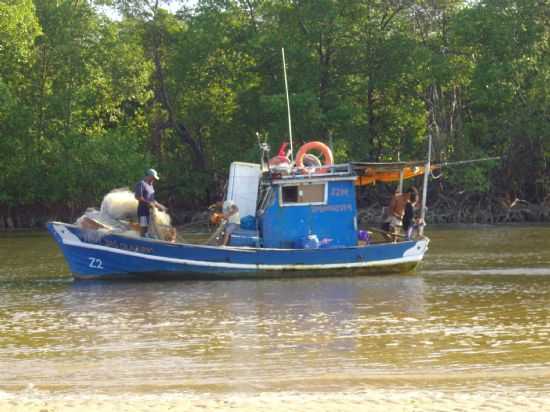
280, 163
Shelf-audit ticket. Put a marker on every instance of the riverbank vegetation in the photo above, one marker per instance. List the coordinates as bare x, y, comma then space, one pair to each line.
90, 98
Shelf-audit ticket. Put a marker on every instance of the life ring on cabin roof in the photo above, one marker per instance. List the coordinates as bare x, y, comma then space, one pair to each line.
328, 159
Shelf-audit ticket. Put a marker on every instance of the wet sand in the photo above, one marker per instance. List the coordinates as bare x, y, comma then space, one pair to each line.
372, 400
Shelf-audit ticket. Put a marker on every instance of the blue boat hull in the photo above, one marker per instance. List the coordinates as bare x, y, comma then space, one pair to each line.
93, 254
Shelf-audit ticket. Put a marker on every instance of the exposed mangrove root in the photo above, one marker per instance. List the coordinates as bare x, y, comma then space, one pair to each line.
464, 208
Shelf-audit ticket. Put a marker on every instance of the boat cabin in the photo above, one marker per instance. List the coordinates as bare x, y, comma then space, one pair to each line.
294, 211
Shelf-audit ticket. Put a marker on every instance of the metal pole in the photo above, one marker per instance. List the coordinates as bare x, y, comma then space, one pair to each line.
401, 175
288, 107
427, 169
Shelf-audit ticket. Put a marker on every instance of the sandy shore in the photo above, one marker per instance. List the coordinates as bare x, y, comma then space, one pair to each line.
372, 401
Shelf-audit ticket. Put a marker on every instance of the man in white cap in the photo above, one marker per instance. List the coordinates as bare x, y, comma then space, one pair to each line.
145, 195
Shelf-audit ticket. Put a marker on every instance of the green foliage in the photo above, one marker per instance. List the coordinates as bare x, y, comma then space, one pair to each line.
475, 177
18, 30
86, 103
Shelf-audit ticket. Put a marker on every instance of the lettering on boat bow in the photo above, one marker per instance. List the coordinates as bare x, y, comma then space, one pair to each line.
125, 246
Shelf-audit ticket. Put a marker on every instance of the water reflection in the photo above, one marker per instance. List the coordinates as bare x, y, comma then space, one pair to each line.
461, 319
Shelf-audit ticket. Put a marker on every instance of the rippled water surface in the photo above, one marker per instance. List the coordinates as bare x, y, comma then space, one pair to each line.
477, 312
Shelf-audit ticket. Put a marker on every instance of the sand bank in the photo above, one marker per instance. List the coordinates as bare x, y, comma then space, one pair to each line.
372, 401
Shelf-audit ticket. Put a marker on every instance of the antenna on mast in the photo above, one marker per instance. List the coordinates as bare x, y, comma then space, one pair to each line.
288, 107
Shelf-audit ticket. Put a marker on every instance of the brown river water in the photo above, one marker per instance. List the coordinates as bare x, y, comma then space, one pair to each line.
475, 314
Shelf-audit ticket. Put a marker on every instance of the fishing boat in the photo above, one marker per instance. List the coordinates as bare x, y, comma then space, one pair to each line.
298, 219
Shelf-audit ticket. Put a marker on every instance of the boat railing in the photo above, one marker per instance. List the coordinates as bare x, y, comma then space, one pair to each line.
344, 169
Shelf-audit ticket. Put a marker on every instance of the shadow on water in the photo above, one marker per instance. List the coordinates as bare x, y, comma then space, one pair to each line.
404, 293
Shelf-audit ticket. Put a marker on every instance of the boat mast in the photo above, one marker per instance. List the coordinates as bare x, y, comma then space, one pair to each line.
288, 107
427, 170
401, 175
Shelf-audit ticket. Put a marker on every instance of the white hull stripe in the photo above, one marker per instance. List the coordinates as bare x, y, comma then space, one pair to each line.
70, 239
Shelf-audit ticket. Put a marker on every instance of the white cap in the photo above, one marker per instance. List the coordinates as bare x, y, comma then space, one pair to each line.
228, 204
152, 172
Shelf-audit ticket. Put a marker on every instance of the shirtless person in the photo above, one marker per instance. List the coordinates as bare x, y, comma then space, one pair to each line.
396, 210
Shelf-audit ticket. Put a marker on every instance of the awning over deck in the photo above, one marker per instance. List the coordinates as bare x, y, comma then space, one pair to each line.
369, 173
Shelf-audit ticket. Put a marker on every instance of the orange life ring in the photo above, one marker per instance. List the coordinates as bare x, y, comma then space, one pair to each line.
328, 159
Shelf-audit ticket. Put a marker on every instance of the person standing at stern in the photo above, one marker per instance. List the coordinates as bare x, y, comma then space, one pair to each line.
145, 195
396, 211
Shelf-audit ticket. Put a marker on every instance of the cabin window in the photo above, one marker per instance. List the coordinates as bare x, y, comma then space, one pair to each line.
301, 194
290, 194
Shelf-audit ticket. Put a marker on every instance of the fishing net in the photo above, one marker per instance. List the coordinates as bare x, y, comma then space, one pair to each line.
118, 213
119, 204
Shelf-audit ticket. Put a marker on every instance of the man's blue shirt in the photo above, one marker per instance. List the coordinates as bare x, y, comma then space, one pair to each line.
146, 191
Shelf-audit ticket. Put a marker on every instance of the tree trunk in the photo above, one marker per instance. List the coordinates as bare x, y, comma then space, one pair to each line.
161, 95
